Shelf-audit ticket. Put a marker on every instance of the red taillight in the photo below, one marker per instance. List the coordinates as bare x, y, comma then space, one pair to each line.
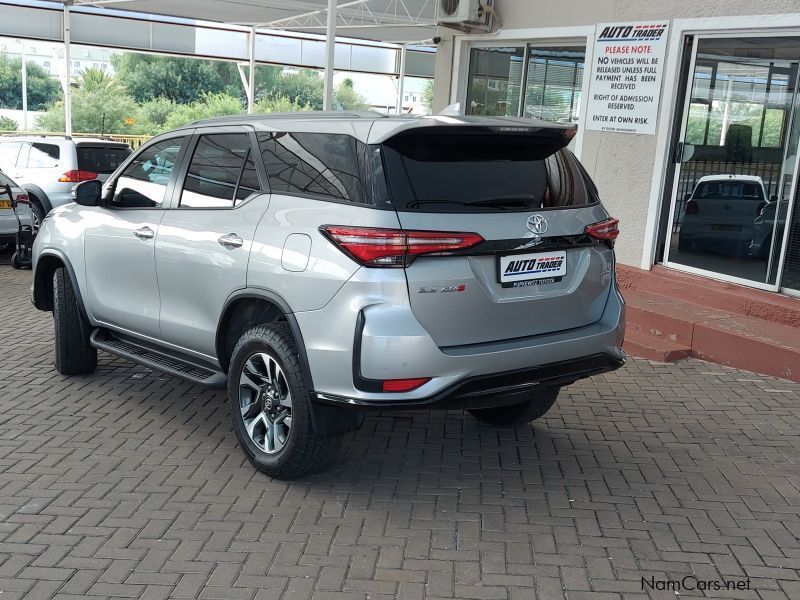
692, 207
374, 247
23, 198
607, 230
77, 176
404, 385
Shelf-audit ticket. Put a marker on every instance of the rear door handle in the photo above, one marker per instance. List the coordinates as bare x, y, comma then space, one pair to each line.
230, 241
144, 233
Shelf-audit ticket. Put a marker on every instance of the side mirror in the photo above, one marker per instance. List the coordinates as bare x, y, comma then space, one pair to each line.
88, 193
687, 196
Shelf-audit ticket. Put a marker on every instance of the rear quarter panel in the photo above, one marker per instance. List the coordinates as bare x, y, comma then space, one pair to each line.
327, 269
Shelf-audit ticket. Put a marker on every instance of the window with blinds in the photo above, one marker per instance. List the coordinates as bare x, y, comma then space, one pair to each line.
538, 83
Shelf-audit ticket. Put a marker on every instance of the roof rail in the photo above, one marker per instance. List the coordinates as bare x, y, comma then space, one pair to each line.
314, 114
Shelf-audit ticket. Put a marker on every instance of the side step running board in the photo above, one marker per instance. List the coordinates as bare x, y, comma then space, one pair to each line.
172, 365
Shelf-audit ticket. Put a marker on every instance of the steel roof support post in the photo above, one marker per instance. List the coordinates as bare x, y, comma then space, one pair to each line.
330, 51
401, 80
25, 88
251, 79
65, 84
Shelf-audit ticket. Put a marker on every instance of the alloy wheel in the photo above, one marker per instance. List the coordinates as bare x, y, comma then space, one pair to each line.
265, 402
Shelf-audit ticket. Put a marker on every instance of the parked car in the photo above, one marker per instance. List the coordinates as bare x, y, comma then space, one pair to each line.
323, 264
719, 214
9, 225
48, 167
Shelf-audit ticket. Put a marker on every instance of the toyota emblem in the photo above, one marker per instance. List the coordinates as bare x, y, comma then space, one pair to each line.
537, 224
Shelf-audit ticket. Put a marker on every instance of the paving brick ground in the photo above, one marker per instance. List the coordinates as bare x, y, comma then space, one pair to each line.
128, 483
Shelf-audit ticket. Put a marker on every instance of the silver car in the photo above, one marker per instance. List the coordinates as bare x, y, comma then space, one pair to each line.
48, 167
323, 264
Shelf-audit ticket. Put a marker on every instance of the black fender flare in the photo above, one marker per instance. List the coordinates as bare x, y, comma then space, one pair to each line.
39, 193
325, 419
38, 296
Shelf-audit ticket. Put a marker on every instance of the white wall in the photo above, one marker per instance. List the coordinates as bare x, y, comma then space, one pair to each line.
622, 165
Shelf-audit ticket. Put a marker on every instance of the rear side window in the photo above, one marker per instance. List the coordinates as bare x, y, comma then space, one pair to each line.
101, 159
335, 167
4, 180
481, 172
222, 172
44, 156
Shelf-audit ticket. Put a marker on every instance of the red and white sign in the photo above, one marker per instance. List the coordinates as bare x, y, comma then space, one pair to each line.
626, 77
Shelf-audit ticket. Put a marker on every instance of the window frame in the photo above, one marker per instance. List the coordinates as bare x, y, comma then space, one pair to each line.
111, 185
188, 154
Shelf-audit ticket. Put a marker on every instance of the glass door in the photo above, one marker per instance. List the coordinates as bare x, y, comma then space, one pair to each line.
733, 186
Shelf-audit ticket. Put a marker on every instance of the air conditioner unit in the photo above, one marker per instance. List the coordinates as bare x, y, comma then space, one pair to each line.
469, 13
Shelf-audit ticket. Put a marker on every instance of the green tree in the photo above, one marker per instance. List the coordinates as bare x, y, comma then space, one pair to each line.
269, 105
346, 98
8, 124
97, 80
154, 114
427, 97
182, 80
94, 111
209, 105
304, 88
43, 90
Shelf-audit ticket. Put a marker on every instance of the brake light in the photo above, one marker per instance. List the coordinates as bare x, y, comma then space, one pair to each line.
77, 176
404, 385
23, 198
377, 247
607, 230
692, 207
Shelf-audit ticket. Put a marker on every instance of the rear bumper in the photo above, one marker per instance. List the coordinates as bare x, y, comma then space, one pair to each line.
499, 389
361, 339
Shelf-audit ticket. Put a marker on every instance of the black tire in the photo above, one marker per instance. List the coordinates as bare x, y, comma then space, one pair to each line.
37, 215
15, 262
303, 451
74, 355
517, 414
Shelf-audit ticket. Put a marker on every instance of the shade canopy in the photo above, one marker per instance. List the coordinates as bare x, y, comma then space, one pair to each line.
395, 21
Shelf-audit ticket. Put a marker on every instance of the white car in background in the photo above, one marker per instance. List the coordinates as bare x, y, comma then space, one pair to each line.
719, 215
48, 167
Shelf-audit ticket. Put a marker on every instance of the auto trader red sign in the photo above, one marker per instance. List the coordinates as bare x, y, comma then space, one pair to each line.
626, 77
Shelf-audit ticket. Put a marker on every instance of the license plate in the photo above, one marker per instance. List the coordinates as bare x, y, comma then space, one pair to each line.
5, 203
522, 270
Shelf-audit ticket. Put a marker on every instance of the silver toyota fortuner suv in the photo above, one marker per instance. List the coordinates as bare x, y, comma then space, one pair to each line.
323, 264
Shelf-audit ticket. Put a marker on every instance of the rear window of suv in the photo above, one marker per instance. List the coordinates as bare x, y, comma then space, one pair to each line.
482, 172
101, 159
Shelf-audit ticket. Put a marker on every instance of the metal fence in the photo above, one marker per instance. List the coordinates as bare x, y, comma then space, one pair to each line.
692, 171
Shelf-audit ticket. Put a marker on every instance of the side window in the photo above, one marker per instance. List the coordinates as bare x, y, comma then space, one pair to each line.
144, 181
44, 156
8, 154
222, 172
331, 166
